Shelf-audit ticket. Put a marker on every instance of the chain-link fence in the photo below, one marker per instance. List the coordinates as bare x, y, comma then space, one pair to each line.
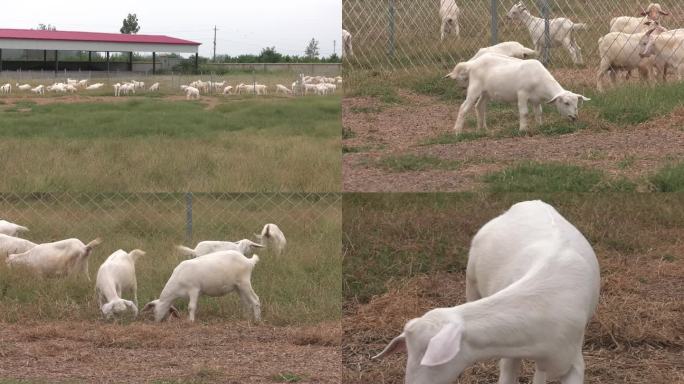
177, 217
405, 34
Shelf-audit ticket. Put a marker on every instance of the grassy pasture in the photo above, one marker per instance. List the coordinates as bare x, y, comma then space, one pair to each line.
301, 287
407, 253
150, 144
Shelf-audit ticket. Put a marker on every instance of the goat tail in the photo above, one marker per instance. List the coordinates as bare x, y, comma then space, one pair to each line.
186, 251
579, 26
254, 259
136, 253
93, 244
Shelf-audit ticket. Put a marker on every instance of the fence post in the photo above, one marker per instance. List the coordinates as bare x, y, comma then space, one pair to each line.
495, 22
547, 35
391, 28
188, 217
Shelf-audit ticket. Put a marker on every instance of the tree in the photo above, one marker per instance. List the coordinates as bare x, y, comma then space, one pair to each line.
311, 51
46, 27
130, 24
269, 55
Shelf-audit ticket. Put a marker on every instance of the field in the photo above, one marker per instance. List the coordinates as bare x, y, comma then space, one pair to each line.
55, 323
406, 254
398, 137
158, 142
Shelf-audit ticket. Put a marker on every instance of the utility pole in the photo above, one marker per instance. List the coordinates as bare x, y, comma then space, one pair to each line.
335, 47
214, 43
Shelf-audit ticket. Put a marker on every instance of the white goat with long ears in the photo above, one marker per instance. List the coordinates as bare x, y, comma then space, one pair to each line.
502, 78
59, 258
11, 229
532, 285
115, 276
347, 48
10, 245
448, 14
561, 31
273, 238
215, 274
244, 246
629, 24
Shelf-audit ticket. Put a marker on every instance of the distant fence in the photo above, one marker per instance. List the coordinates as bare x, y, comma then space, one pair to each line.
308, 68
406, 34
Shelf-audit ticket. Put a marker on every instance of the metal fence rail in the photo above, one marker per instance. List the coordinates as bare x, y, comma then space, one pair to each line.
396, 35
134, 220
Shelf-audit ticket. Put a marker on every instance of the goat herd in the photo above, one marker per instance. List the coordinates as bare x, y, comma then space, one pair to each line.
305, 85
215, 268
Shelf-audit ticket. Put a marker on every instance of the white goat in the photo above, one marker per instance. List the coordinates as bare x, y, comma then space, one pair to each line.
192, 93
503, 78
10, 245
622, 51
6, 89
508, 48
115, 276
39, 90
23, 87
95, 86
666, 47
532, 285
215, 274
227, 89
448, 14
347, 49
244, 246
561, 31
273, 238
60, 258
154, 87
629, 24
11, 229
283, 89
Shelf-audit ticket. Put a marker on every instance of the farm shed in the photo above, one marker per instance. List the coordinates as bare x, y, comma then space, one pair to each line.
40, 49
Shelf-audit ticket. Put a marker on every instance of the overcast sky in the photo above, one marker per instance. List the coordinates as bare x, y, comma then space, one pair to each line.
244, 26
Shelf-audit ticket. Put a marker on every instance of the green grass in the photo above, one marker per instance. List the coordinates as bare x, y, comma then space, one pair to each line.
436, 85
392, 237
407, 163
300, 287
635, 104
151, 145
552, 177
562, 127
669, 178
287, 378
451, 138
372, 84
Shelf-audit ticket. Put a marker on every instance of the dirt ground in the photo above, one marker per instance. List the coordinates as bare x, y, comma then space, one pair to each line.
635, 337
381, 130
173, 352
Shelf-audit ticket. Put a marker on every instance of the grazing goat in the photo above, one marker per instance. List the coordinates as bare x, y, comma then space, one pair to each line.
503, 78
244, 246
11, 229
561, 31
10, 245
273, 238
115, 276
532, 285
60, 258
448, 14
215, 274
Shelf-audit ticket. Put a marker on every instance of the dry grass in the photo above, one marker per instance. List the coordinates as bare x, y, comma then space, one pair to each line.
635, 337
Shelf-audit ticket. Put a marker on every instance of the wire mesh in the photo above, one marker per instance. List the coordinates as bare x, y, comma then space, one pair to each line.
393, 35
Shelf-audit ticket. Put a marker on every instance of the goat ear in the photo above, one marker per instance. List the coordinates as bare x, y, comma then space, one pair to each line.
256, 245
398, 344
444, 346
149, 306
664, 13
174, 312
582, 97
553, 99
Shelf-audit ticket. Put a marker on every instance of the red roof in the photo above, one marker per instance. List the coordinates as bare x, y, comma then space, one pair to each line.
33, 34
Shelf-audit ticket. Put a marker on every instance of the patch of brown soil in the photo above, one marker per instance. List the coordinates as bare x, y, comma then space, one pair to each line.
636, 336
100, 352
402, 129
